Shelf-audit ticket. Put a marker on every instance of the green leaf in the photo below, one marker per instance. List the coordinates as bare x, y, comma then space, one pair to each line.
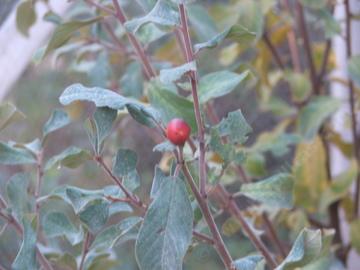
64, 31
101, 71
57, 120
9, 114
167, 228
149, 33
275, 191
66, 261
159, 179
71, 157
125, 162
10, 155
201, 22
354, 234
108, 237
313, 115
339, 187
17, 192
165, 146
219, 84
235, 127
255, 164
299, 85
57, 224
171, 75
163, 14
253, 262
147, 116
171, 105
95, 214
131, 82
308, 246
331, 25
354, 69
26, 258
25, 17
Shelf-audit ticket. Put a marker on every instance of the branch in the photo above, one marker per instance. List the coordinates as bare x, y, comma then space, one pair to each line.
85, 250
273, 51
203, 237
193, 77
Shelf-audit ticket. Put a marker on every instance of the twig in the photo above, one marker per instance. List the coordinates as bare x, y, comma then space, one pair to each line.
203, 237
85, 250
273, 235
306, 40
352, 109
193, 80
273, 51
103, 8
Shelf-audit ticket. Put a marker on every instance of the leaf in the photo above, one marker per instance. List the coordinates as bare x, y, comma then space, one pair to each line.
313, 115
9, 114
17, 192
171, 105
108, 237
299, 85
147, 116
235, 127
309, 170
101, 71
63, 33
125, 162
165, 146
57, 120
308, 246
166, 231
26, 258
10, 155
201, 22
255, 164
339, 187
25, 17
57, 224
71, 157
219, 84
171, 75
159, 178
331, 25
253, 262
354, 69
149, 33
66, 262
275, 191
132, 180
162, 14
354, 234
95, 214
131, 82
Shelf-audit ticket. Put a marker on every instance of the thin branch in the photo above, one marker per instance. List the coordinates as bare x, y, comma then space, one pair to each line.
203, 237
193, 80
306, 40
85, 250
273, 51
352, 103
324, 63
101, 7
273, 235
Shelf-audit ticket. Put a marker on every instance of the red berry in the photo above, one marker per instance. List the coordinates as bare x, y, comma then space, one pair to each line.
178, 131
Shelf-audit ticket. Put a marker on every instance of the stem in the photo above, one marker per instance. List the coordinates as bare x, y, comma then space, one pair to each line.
203, 237
308, 52
39, 180
103, 8
218, 241
273, 51
352, 108
324, 63
193, 77
231, 206
140, 52
85, 250
273, 235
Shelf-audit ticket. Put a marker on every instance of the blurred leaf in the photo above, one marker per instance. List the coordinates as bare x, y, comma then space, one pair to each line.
63, 33
331, 25
57, 224
314, 4
313, 115
9, 114
200, 21
255, 164
166, 232
171, 105
335, 138
131, 82
309, 169
354, 234
95, 214
149, 33
101, 71
100, 261
17, 193
159, 179
71, 157
253, 262
124, 163
147, 5
274, 191
147, 116
107, 238
339, 187
57, 120
165, 146
132, 180
26, 258
10, 155
299, 84
171, 75
219, 84
308, 246
51, 16
66, 262
235, 127
354, 69
163, 13
25, 17
251, 17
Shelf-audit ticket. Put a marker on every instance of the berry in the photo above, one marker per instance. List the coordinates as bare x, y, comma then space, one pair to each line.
178, 131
